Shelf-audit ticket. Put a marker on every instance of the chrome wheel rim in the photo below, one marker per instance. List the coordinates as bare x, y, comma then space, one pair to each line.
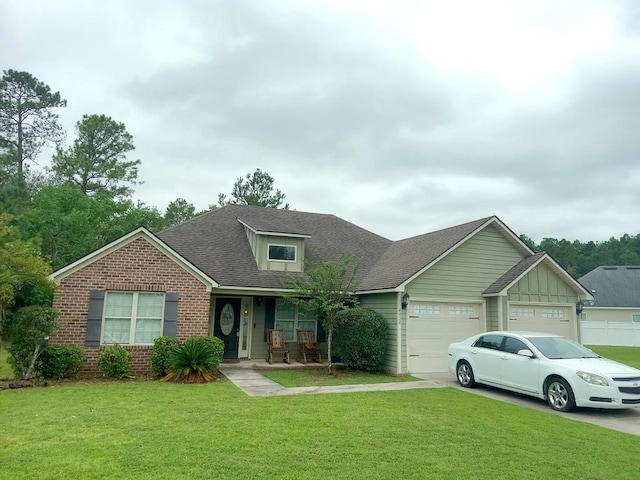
464, 374
558, 395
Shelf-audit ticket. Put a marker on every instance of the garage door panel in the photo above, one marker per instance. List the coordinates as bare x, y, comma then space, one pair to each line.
433, 326
557, 319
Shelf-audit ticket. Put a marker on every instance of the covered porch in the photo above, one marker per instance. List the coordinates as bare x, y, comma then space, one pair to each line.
242, 321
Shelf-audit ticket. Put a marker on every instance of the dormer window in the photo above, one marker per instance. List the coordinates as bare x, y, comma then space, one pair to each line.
282, 253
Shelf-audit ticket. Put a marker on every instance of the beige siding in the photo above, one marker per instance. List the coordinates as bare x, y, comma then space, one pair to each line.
492, 313
261, 252
467, 271
542, 285
387, 305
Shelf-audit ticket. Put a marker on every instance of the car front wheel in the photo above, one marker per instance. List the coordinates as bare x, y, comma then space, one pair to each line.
559, 395
465, 374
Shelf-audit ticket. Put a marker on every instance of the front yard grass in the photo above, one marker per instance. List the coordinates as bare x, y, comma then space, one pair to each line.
141, 430
627, 355
311, 377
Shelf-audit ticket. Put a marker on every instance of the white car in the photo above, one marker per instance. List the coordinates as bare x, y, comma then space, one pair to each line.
547, 366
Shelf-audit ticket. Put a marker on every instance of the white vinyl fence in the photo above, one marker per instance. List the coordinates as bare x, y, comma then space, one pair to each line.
610, 333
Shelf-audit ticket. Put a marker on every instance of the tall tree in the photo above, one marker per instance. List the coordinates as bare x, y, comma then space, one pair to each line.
179, 211
27, 121
96, 161
326, 290
255, 189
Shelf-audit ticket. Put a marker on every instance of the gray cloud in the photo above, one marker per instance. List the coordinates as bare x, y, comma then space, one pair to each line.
349, 114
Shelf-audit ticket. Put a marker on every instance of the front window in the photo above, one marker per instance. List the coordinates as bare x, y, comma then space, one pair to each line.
289, 318
636, 318
132, 317
283, 253
561, 347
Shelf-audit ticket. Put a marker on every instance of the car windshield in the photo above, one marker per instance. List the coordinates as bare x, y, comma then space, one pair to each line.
561, 347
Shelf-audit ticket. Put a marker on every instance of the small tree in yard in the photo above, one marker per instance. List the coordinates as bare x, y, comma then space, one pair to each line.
29, 327
326, 290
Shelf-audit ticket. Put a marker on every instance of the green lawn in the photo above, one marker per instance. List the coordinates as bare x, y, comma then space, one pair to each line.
158, 430
318, 376
628, 355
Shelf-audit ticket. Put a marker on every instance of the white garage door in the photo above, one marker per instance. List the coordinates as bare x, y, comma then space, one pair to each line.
556, 319
433, 326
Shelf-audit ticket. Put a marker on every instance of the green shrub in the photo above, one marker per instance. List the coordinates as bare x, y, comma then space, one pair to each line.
62, 362
218, 349
114, 361
28, 329
160, 351
195, 360
360, 339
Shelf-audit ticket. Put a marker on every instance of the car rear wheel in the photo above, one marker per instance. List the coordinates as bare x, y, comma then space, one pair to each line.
465, 374
559, 395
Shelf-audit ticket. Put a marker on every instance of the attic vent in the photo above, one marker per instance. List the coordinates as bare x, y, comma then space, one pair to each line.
633, 268
609, 268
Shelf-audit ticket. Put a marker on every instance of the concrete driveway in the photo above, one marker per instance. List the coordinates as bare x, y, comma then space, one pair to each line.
627, 421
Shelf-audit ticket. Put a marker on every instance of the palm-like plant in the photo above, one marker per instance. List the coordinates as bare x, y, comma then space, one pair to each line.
192, 362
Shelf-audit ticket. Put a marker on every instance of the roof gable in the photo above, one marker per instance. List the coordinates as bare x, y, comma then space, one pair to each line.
140, 232
522, 268
407, 259
614, 286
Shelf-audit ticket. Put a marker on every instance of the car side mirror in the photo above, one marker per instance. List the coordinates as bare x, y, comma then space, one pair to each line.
525, 352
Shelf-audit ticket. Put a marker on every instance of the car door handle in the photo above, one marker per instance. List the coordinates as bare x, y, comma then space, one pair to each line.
504, 357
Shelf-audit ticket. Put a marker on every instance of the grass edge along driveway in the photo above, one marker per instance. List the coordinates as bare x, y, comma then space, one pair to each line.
158, 430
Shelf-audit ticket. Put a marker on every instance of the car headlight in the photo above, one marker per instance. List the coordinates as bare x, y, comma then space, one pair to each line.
593, 379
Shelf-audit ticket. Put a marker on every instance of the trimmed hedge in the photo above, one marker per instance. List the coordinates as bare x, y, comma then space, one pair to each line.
162, 347
115, 361
62, 362
360, 339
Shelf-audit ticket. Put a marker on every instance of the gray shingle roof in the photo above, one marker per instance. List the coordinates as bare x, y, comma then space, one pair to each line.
615, 286
216, 243
513, 273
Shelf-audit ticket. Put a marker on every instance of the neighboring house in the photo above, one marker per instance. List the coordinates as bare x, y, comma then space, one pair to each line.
613, 318
223, 273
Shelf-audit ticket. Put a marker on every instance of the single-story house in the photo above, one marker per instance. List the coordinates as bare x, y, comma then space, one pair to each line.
613, 318
223, 273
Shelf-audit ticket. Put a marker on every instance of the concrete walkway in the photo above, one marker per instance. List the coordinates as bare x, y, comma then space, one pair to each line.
255, 384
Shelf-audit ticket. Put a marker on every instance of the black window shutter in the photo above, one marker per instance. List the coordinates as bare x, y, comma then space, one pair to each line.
170, 314
94, 318
322, 335
269, 315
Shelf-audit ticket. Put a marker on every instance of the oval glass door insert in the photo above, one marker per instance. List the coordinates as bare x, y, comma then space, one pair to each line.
226, 319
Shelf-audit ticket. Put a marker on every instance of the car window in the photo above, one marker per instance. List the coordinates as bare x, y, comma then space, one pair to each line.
492, 342
561, 347
513, 345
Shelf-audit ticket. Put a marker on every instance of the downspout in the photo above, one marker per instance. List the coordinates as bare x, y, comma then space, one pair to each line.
501, 324
399, 335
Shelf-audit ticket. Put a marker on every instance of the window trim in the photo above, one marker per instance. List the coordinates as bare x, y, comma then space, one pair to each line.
295, 253
133, 318
296, 319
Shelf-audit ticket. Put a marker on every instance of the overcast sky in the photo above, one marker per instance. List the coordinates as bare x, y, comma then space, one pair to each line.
400, 116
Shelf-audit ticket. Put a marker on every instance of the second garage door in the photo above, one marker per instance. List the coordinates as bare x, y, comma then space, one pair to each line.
431, 327
558, 319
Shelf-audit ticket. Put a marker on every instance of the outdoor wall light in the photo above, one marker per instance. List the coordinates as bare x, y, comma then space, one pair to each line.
258, 301
405, 300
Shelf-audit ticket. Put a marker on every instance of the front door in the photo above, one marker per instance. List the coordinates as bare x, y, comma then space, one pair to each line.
227, 325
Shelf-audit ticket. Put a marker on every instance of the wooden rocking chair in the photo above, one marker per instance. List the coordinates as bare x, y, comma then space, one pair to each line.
276, 342
307, 344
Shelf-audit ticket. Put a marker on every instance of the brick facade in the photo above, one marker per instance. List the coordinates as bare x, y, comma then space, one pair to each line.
136, 266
